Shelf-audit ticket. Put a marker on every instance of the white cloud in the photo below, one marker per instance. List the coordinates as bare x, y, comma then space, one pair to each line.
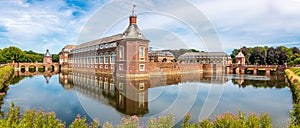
238, 23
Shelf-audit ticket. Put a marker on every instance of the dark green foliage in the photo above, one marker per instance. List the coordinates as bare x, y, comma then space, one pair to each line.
14, 54
269, 55
55, 57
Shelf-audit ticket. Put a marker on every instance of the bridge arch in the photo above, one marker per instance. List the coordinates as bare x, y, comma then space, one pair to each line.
41, 68
32, 68
22, 68
49, 68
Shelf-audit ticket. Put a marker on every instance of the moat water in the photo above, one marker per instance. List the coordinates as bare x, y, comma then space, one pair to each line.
108, 98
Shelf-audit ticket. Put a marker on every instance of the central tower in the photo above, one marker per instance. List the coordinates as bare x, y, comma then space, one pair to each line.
132, 51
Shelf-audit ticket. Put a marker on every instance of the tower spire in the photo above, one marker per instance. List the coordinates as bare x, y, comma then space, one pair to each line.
133, 10
132, 18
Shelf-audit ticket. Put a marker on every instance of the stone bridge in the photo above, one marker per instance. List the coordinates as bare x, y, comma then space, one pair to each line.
24, 67
242, 69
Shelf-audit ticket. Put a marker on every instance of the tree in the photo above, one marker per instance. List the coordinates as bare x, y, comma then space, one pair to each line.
233, 54
2, 59
296, 61
258, 56
295, 50
193, 50
281, 55
13, 54
271, 56
55, 57
247, 53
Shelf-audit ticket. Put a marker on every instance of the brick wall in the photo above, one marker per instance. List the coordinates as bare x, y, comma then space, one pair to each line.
155, 67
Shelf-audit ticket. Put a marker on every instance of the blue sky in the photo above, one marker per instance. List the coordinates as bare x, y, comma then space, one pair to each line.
39, 25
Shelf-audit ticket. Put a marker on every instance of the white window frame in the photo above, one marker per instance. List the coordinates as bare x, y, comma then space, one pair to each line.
142, 53
142, 86
101, 58
106, 58
121, 67
142, 65
121, 53
112, 57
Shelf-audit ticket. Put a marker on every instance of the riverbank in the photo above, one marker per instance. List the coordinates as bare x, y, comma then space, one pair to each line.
6, 72
293, 75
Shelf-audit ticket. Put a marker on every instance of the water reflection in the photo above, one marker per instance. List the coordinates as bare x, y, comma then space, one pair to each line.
128, 96
277, 81
110, 98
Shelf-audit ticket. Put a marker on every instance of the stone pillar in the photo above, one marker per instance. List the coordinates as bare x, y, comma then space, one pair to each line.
242, 71
227, 70
254, 71
36, 68
268, 72
26, 69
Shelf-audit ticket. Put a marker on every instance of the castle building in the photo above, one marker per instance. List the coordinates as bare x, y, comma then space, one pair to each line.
161, 56
64, 54
47, 57
125, 53
205, 58
240, 58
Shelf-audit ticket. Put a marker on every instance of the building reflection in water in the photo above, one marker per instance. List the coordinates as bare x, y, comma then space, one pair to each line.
129, 96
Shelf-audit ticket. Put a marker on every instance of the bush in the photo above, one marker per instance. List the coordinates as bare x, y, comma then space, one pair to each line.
40, 119
5, 73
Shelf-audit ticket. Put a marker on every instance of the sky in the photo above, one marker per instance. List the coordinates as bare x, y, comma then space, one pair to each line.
205, 25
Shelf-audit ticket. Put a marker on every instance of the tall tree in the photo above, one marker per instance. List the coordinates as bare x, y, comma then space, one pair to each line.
233, 54
295, 50
258, 56
271, 56
281, 55
247, 53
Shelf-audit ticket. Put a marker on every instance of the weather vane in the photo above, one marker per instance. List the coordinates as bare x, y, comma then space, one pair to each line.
133, 10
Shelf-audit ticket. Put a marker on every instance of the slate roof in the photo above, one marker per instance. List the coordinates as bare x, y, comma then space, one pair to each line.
202, 55
240, 55
160, 53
